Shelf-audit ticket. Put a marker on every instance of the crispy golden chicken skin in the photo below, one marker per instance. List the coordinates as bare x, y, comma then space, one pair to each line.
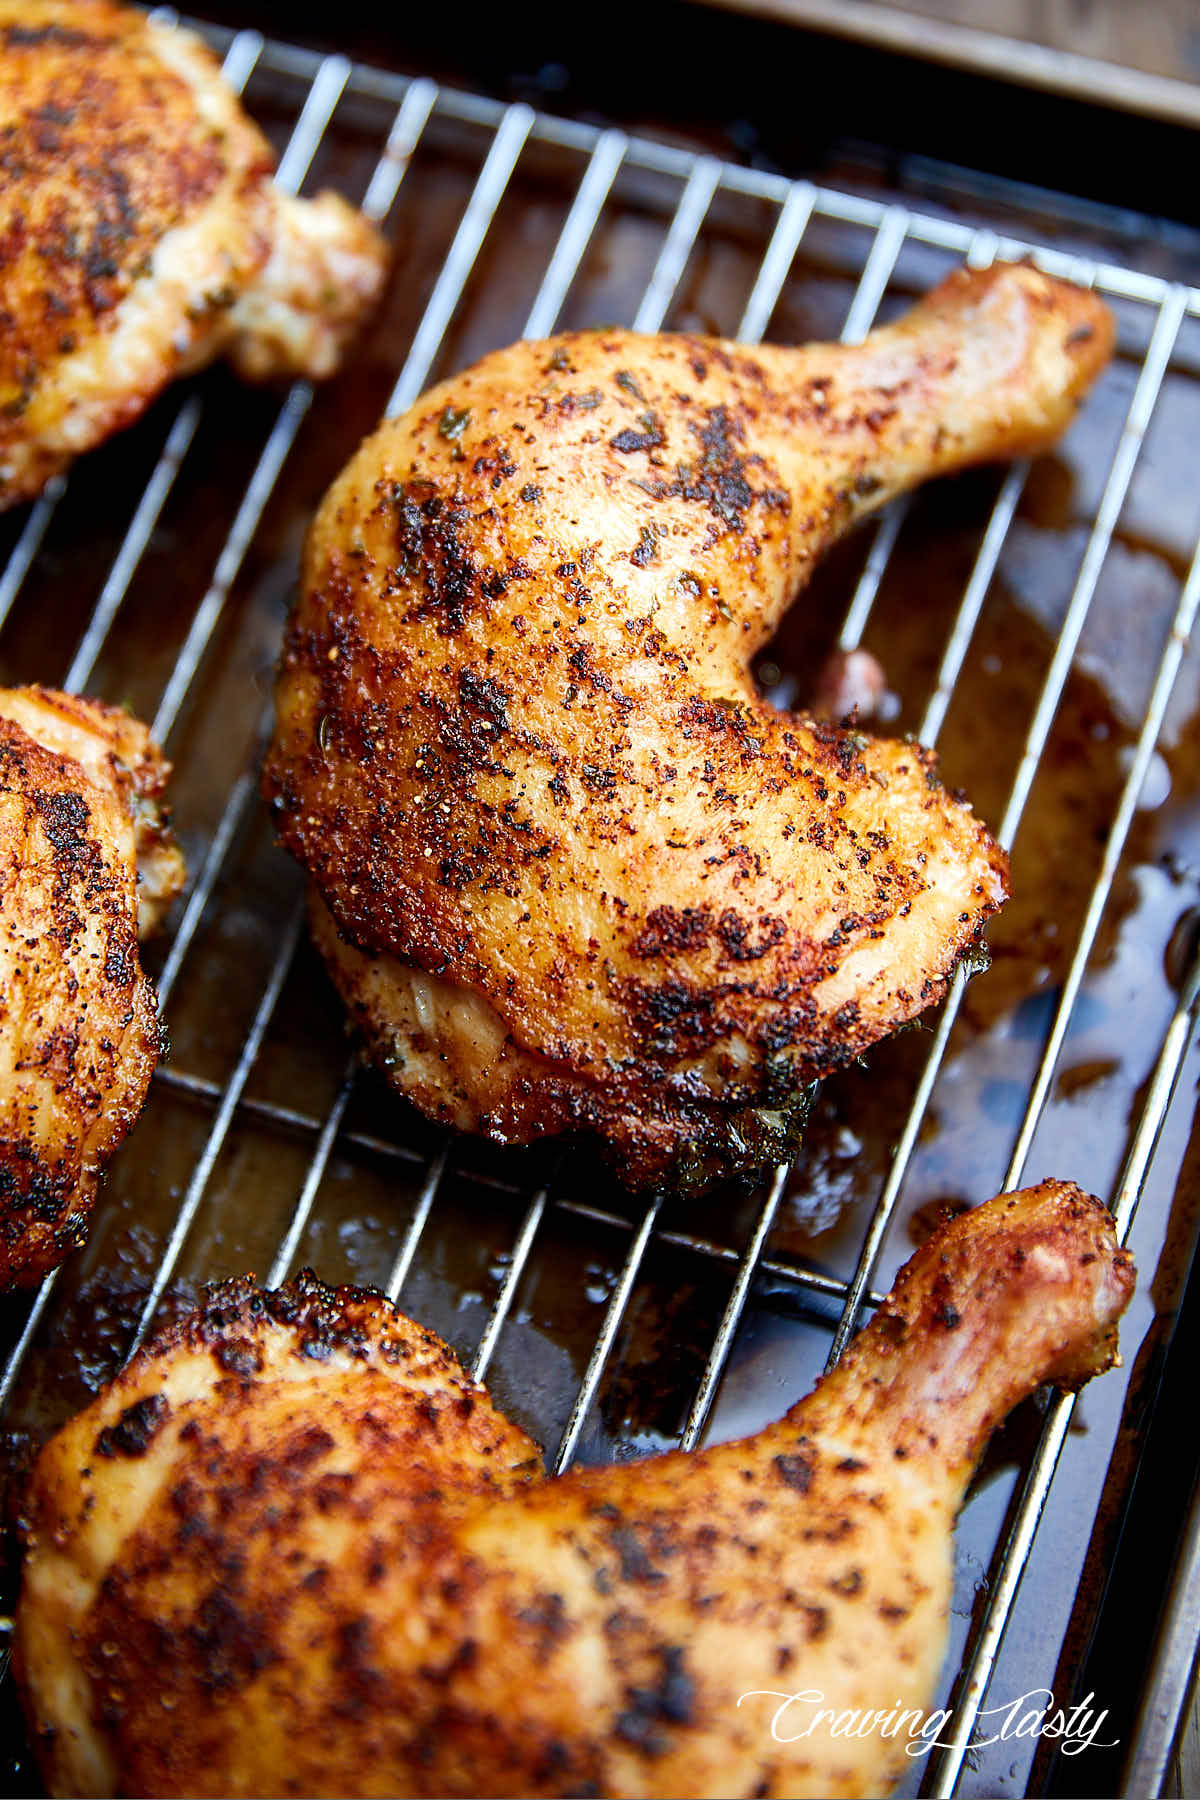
140, 234
293, 1549
84, 850
570, 869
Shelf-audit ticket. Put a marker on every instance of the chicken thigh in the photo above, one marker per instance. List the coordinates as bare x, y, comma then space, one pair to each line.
86, 862
293, 1549
141, 236
570, 869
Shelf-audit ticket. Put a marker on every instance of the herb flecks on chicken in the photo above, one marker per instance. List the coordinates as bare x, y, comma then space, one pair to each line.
293, 1548
570, 869
86, 862
141, 235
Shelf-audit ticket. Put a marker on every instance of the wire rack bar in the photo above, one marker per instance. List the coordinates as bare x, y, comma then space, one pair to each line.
799, 1275
714, 1369
317, 111
502, 1305
416, 1225
975, 593
983, 249
29, 543
880, 264
513, 128
607, 1335
239, 60
324, 94
694, 203
246, 523
313, 1177
232, 817
867, 588
876, 275
290, 1118
403, 138
1168, 1681
133, 545
872, 287
964, 625
17, 1354
576, 235
877, 271
685, 226
776, 265
219, 1130
978, 1666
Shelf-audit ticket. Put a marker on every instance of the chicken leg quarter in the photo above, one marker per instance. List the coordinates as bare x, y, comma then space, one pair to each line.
292, 1549
569, 869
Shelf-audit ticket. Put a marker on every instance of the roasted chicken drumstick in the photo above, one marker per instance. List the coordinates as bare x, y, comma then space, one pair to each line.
569, 869
86, 862
293, 1549
141, 235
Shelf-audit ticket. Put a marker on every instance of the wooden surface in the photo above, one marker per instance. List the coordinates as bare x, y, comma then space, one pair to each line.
1183, 1782
1161, 38
1142, 58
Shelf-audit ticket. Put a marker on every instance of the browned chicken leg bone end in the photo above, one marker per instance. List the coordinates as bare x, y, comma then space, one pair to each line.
293, 1544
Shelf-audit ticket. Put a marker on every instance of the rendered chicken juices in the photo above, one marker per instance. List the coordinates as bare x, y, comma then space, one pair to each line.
293, 1548
570, 871
142, 235
86, 863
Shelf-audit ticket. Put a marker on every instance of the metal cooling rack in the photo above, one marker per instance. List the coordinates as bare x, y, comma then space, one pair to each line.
323, 85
